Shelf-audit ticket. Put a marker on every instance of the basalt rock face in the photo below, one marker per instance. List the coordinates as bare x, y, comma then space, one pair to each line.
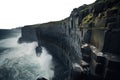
97, 25
28, 34
101, 29
101, 22
64, 34
62, 37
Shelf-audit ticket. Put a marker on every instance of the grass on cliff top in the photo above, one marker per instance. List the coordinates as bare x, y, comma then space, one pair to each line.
87, 19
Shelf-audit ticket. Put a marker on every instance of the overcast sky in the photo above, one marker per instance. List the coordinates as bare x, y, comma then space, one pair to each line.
16, 13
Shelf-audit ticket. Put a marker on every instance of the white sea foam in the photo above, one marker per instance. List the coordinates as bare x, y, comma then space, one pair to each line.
20, 62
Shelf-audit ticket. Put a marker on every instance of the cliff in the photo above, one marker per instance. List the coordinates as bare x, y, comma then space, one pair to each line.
91, 33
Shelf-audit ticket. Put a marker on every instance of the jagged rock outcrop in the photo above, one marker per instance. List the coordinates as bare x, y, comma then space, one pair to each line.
28, 34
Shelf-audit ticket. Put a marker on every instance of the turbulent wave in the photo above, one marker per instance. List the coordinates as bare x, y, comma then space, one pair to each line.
19, 61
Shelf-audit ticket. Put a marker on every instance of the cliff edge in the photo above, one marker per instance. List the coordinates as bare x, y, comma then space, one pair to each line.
91, 34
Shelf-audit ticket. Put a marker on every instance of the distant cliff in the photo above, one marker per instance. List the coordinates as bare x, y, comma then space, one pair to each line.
97, 24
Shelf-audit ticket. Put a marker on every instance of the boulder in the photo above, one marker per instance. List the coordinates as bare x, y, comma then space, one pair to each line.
38, 51
41, 78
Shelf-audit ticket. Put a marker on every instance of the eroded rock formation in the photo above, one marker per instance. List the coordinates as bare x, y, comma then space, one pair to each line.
91, 33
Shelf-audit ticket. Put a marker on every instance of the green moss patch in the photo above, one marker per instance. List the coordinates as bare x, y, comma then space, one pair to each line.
87, 19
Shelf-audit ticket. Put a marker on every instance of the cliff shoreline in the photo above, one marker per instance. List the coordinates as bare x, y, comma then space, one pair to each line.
96, 27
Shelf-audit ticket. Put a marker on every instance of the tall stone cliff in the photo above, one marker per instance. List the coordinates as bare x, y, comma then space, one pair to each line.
96, 25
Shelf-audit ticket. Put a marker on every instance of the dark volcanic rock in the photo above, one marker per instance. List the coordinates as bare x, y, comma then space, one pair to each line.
41, 79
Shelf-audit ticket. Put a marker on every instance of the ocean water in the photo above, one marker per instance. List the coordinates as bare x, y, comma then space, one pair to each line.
19, 61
